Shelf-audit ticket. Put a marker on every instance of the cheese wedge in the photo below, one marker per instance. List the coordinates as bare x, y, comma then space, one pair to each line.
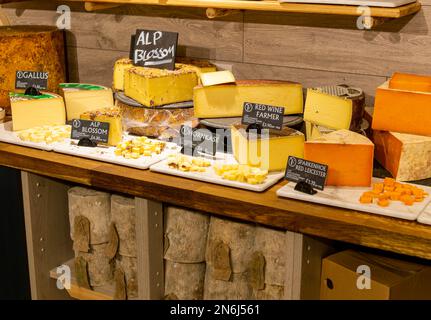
410, 82
157, 87
113, 117
34, 111
81, 97
227, 100
120, 68
402, 111
215, 78
349, 156
407, 157
314, 131
266, 152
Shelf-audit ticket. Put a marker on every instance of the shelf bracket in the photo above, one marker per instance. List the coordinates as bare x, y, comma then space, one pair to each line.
213, 13
92, 6
372, 22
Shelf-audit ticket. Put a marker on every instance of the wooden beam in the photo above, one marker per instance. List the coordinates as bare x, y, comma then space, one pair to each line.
92, 6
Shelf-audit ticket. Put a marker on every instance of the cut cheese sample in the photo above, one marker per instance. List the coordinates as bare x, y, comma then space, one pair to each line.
215, 78
157, 87
314, 131
349, 156
113, 117
120, 68
34, 111
402, 111
410, 82
80, 98
407, 157
268, 152
227, 100
47, 134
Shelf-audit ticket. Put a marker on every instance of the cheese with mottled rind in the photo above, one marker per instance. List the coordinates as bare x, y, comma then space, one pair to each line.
111, 116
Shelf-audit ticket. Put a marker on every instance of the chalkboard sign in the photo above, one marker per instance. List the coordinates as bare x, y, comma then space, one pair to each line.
269, 117
96, 131
155, 49
195, 140
312, 173
27, 79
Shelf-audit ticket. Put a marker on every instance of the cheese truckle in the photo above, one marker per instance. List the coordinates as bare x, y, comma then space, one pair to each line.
349, 156
29, 111
227, 100
267, 152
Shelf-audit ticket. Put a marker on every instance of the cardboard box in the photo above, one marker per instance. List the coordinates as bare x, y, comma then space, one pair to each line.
390, 279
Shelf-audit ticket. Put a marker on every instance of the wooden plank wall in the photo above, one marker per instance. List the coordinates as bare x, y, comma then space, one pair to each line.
311, 49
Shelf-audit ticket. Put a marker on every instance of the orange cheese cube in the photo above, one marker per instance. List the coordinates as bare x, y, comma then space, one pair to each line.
383, 203
410, 82
349, 156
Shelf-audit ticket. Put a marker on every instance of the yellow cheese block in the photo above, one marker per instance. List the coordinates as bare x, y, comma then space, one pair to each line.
227, 100
34, 111
349, 156
215, 78
266, 152
328, 110
200, 66
80, 98
157, 87
113, 117
120, 68
314, 131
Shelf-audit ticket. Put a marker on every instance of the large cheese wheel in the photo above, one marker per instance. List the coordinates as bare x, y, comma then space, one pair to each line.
30, 48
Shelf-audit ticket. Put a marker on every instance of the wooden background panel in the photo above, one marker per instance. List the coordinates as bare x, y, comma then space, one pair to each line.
314, 42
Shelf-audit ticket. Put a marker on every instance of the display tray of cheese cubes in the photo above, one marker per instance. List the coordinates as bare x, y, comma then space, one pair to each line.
221, 169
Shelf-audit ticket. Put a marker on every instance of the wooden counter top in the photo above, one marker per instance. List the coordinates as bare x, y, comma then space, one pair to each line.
266, 208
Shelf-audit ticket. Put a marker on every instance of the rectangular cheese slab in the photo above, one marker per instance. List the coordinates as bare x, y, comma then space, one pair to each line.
120, 68
410, 82
82, 97
111, 116
407, 157
349, 156
268, 153
402, 111
34, 111
227, 100
218, 77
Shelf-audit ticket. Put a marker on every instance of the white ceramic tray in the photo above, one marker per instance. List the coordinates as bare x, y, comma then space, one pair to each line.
7, 135
348, 198
425, 216
210, 176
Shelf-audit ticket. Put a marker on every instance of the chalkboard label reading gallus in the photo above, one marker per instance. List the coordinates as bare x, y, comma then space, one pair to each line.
310, 172
96, 131
28, 79
268, 117
154, 49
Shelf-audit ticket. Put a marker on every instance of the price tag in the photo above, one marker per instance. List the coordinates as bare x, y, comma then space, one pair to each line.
27, 79
269, 117
96, 131
154, 49
194, 141
311, 172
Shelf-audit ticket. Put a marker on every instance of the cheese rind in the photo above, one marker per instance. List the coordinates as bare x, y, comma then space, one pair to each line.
314, 131
267, 153
410, 82
407, 157
402, 111
81, 97
227, 100
35, 111
113, 117
215, 78
349, 157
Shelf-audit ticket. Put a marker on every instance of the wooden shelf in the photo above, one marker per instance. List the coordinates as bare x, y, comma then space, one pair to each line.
272, 6
105, 292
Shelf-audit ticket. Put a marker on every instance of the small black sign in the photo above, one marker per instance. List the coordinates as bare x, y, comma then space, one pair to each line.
96, 131
194, 141
36, 79
269, 117
155, 49
312, 173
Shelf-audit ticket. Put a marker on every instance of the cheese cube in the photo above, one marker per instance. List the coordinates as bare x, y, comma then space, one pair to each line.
113, 117
120, 68
227, 100
407, 157
215, 78
410, 82
33, 111
80, 98
349, 157
402, 111
267, 153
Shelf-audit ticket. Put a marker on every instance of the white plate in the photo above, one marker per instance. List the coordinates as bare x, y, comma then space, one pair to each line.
374, 3
9, 136
425, 216
210, 176
348, 198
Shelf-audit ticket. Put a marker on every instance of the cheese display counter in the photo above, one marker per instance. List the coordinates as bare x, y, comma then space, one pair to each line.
131, 192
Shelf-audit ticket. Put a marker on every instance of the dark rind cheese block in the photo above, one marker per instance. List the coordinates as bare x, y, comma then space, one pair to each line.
30, 48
